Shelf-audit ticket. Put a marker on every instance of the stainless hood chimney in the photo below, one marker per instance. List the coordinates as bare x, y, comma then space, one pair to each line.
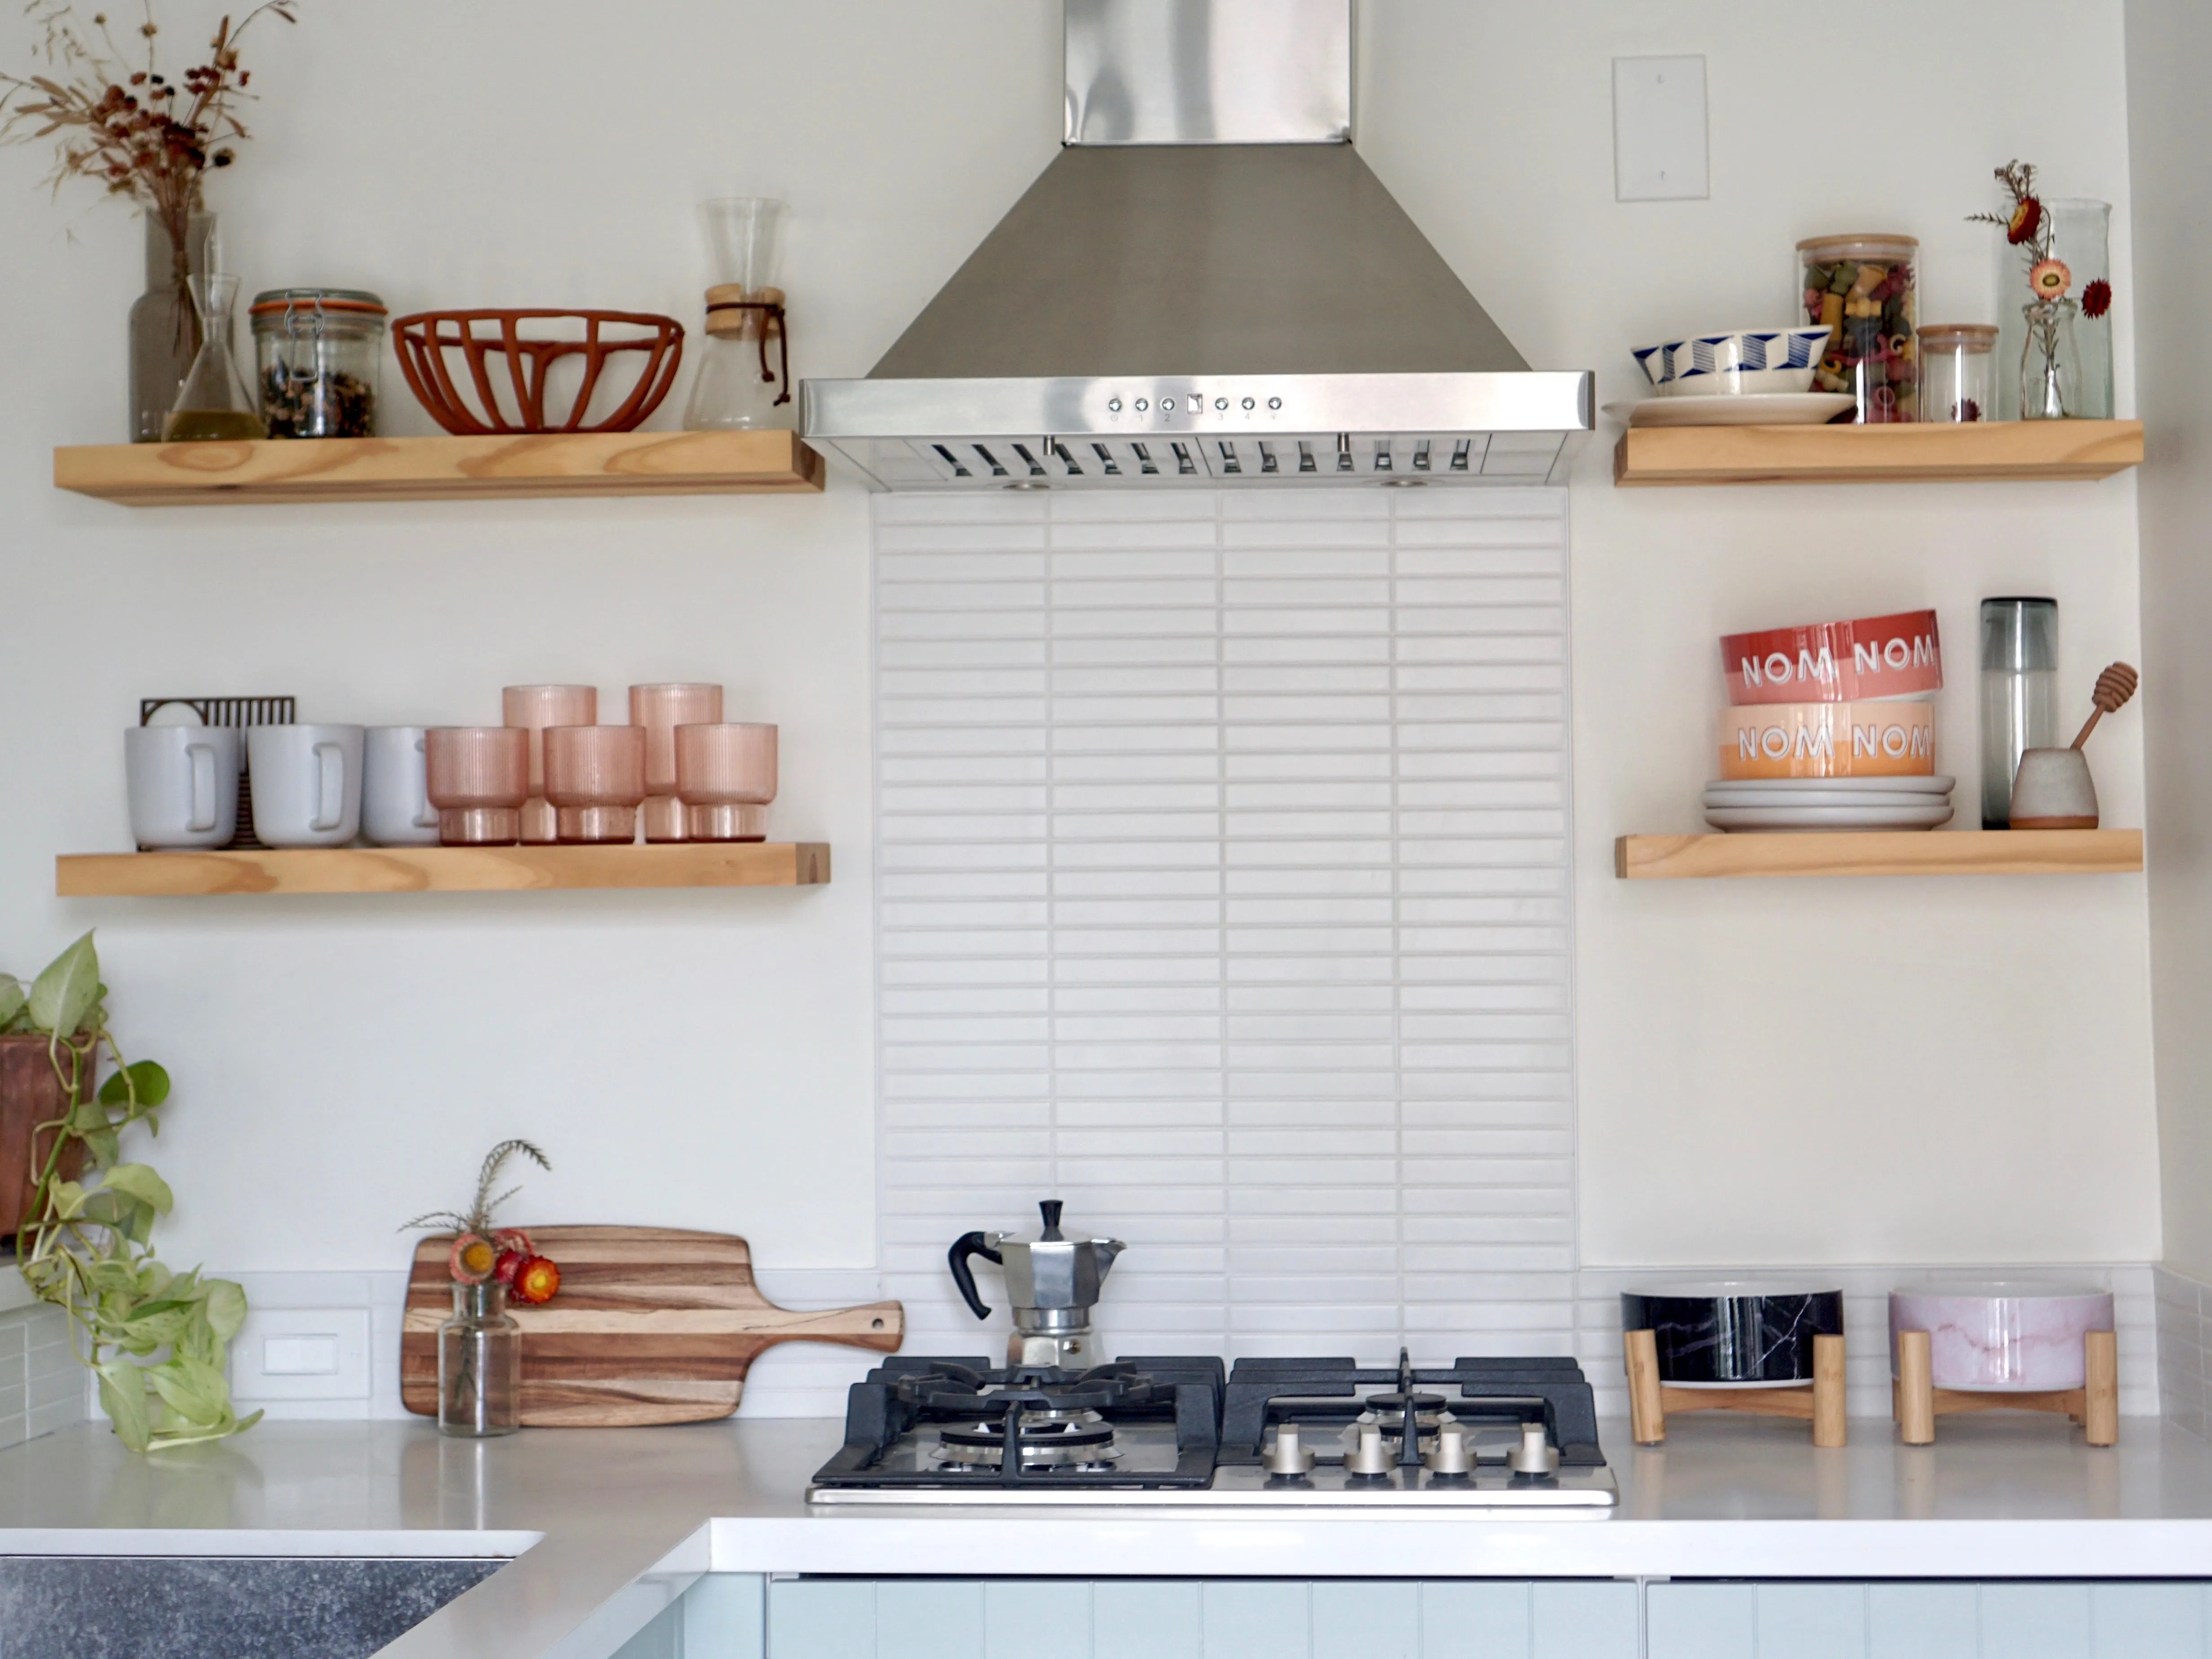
1207, 287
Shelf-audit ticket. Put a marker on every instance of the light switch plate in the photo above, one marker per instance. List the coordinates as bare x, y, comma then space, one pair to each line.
301, 1353
1659, 130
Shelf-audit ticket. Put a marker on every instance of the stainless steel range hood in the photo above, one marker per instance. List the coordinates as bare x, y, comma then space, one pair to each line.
1207, 287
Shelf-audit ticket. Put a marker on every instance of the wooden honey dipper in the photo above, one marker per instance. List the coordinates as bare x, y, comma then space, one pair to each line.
2114, 687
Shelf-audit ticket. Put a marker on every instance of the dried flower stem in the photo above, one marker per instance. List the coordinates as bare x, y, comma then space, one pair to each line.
136, 132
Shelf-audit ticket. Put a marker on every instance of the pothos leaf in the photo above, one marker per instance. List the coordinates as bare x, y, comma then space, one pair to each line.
12, 999
62, 995
143, 1078
139, 1182
123, 1397
193, 1389
226, 1307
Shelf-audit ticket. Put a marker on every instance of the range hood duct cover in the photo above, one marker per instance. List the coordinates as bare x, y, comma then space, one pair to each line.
1206, 286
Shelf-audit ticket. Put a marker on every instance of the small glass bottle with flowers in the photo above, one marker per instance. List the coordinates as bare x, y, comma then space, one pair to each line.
2062, 249
480, 1347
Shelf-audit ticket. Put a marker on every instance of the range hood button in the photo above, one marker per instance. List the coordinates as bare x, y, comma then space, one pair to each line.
1142, 405
1167, 405
1114, 405
1247, 403
1274, 402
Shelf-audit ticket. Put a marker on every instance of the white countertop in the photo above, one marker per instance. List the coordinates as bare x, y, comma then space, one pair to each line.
608, 1525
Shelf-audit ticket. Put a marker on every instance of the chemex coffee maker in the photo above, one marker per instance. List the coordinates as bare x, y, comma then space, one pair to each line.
1053, 1281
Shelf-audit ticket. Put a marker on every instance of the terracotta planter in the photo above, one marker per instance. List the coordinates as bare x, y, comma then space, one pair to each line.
30, 1094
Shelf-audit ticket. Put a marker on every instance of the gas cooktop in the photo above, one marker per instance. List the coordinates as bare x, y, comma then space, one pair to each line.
1479, 1434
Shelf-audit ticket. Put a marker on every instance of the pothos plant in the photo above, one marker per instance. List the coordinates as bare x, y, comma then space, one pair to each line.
155, 1338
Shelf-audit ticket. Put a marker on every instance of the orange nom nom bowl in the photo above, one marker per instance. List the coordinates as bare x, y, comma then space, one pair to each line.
1828, 740
480, 372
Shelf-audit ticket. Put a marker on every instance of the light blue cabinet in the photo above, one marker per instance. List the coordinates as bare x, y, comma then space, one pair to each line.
1185, 1619
2012, 1620
743, 1616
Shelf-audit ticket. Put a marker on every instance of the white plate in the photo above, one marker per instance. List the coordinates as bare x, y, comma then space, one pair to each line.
1828, 817
1909, 784
1798, 800
1744, 409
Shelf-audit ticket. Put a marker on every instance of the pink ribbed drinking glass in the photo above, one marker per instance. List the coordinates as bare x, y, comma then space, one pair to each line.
595, 777
726, 777
660, 709
478, 776
534, 707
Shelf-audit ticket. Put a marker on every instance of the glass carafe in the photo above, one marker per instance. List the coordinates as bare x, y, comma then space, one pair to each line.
479, 1364
743, 381
213, 405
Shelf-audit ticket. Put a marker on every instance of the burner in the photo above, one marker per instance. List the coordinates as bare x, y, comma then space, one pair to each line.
1047, 1440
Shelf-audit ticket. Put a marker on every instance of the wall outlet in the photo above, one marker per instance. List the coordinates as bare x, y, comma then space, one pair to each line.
1659, 130
301, 1353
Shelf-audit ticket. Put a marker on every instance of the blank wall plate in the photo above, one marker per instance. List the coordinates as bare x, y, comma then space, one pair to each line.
1659, 130
301, 1353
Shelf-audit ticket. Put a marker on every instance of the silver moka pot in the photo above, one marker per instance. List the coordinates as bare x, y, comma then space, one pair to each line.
1053, 1281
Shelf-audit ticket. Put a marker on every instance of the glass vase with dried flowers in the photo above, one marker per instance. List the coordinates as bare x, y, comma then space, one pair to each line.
2062, 341
143, 136
480, 1347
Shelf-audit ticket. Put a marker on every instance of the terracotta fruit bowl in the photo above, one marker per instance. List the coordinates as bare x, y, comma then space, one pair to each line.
446, 355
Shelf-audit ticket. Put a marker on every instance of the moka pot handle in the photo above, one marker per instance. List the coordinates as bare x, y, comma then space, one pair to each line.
966, 1245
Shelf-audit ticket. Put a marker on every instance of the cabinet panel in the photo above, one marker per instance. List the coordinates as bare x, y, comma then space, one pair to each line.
1024, 1617
1259, 1619
1812, 1621
725, 1617
1475, 1621
1701, 1622
1924, 1621
2146, 1622
822, 1618
1145, 1618
1583, 1621
930, 1618
1367, 1619
2036, 1621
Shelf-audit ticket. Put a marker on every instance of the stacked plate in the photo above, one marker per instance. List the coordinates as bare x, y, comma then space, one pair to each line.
1802, 804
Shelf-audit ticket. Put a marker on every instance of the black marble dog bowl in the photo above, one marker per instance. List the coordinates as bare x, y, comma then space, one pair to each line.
1739, 1333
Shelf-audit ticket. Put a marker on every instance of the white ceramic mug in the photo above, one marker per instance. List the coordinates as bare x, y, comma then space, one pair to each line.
183, 782
395, 795
306, 784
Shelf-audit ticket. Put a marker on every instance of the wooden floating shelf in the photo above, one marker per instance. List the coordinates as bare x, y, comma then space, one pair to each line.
1882, 852
1906, 454
439, 869
441, 469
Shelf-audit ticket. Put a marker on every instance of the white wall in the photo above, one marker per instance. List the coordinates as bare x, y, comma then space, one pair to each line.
704, 1058
2170, 132
1805, 1071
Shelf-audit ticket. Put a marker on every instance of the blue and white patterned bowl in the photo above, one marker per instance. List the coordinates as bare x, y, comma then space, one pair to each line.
1752, 360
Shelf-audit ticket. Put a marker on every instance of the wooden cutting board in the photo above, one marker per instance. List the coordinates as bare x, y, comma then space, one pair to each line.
652, 1325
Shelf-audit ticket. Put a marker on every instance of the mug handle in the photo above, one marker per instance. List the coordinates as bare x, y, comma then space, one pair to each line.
427, 818
202, 818
330, 798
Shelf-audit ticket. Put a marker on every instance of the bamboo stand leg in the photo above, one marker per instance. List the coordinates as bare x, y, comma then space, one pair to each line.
1647, 1417
2100, 1388
1828, 1428
1916, 1389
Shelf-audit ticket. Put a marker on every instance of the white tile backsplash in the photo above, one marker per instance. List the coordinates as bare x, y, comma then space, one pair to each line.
1279, 901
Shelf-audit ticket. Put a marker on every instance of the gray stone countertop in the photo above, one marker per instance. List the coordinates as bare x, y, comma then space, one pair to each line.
607, 1526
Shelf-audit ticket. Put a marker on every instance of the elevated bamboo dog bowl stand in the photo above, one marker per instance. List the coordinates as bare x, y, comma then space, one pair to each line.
1915, 1402
1649, 1399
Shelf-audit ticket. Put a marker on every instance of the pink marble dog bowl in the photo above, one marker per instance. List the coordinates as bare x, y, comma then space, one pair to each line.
2002, 1335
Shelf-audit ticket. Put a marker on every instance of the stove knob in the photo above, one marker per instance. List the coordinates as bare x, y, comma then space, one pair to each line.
1370, 1456
1286, 1456
1534, 1455
1452, 1454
